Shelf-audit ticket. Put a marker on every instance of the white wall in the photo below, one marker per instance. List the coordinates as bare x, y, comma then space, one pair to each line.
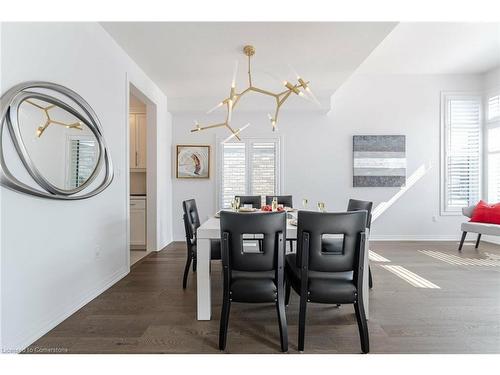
318, 151
491, 79
57, 256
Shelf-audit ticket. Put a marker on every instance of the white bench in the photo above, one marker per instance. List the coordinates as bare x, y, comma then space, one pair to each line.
479, 228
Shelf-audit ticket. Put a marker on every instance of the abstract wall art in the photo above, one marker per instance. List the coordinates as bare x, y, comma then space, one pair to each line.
193, 161
379, 160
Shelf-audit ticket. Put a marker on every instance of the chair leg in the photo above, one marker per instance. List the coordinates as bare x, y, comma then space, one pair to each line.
478, 240
302, 321
288, 288
224, 321
359, 309
194, 262
291, 245
464, 234
186, 271
370, 278
280, 307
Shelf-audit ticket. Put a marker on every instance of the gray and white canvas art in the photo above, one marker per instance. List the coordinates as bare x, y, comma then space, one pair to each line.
379, 160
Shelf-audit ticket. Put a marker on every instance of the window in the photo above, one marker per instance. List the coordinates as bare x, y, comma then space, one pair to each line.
494, 108
249, 167
82, 154
493, 145
461, 152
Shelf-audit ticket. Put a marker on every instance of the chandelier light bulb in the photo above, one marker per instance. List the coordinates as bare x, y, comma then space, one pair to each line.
236, 133
214, 108
235, 72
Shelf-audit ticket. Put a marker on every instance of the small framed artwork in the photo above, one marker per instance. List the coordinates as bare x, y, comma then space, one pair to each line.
193, 161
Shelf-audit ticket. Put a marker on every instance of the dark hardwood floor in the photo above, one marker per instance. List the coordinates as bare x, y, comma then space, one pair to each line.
149, 312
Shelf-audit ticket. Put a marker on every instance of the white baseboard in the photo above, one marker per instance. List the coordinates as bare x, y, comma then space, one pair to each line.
62, 313
411, 237
491, 239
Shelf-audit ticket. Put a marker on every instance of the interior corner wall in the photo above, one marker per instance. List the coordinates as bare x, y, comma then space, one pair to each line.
318, 151
491, 79
56, 256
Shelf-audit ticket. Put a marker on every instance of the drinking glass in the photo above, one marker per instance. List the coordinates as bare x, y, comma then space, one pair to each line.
274, 205
321, 206
304, 203
237, 203
233, 204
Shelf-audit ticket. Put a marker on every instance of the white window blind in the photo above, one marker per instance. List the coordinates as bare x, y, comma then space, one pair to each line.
233, 172
249, 167
462, 152
494, 177
494, 108
82, 161
263, 168
493, 142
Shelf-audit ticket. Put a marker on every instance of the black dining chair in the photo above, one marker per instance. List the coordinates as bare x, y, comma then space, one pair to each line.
285, 200
254, 200
191, 223
332, 244
356, 205
329, 277
253, 277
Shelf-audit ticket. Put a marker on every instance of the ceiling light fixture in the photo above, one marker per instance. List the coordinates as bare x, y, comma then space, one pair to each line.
234, 97
49, 121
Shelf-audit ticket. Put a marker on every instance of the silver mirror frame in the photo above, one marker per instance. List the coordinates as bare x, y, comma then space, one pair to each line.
9, 108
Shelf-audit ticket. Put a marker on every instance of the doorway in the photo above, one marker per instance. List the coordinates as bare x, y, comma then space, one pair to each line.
138, 175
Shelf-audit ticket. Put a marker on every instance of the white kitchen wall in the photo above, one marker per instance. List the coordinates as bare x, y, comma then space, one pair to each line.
318, 151
57, 256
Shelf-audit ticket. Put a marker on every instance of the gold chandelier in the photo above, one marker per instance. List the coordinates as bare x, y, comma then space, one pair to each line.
49, 121
234, 97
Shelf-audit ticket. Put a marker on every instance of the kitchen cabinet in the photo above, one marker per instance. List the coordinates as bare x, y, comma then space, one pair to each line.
138, 222
138, 141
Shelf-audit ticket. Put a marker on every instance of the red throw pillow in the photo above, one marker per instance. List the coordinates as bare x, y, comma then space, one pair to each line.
486, 213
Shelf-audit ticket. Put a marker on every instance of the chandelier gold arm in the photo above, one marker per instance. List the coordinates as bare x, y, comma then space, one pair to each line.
235, 97
41, 129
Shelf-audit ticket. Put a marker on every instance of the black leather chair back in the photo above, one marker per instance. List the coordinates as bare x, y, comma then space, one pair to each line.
356, 205
312, 225
254, 200
235, 225
191, 218
285, 200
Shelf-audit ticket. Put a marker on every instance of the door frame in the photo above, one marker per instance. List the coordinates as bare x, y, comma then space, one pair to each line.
152, 155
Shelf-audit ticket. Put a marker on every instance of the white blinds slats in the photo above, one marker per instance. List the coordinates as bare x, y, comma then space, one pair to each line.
83, 159
263, 168
249, 167
463, 152
233, 172
494, 108
494, 178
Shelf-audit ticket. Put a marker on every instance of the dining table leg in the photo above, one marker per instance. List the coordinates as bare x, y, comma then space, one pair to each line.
203, 279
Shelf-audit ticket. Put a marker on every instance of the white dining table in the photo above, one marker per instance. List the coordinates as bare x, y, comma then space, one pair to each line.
210, 229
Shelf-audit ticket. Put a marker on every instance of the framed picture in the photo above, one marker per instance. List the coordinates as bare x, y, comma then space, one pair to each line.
379, 160
193, 161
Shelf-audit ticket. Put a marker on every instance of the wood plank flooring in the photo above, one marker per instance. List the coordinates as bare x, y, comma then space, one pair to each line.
149, 312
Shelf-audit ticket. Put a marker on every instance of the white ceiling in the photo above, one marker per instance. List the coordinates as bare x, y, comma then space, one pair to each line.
437, 48
192, 62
